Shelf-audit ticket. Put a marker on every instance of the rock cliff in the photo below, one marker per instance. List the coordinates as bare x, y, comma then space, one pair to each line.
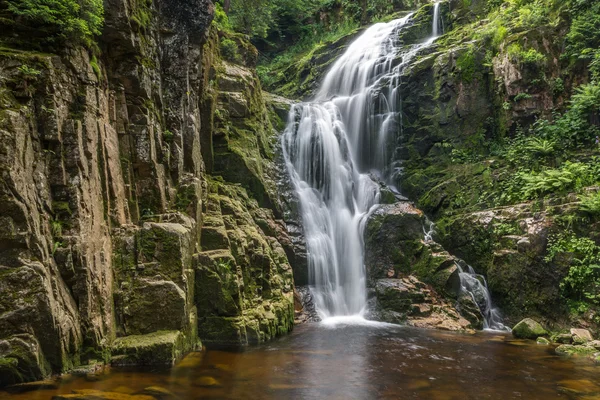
138, 211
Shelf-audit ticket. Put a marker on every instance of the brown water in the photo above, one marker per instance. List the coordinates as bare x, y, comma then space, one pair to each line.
361, 362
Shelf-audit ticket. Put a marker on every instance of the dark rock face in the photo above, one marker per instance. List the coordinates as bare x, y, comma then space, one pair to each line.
136, 197
414, 279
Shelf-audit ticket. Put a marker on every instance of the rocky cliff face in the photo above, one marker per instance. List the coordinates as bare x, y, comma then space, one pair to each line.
137, 215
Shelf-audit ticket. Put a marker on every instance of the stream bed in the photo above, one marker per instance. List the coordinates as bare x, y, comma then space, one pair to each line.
358, 361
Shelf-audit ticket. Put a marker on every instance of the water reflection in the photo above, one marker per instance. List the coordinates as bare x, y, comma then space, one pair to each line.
360, 361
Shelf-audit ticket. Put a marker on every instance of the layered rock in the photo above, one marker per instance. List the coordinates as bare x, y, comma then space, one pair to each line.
413, 278
133, 188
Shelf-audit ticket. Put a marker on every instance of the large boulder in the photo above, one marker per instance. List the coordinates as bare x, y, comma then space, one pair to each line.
395, 246
528, 329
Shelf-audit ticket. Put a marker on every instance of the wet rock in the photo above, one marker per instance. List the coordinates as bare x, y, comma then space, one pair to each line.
542, 341
528, 329
398, 295
563, 338
207, 381
159, 348
574, 350
408, 300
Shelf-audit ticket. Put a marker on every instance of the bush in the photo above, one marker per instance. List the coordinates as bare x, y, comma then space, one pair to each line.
582, 282
229, 50
58, 21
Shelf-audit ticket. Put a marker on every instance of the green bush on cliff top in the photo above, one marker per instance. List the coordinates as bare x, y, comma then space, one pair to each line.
56, 21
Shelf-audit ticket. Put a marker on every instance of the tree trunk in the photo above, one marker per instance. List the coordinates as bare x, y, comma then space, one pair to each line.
226, 6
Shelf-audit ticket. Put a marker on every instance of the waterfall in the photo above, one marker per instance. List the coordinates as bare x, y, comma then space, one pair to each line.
475, 286
333, 146
437, 21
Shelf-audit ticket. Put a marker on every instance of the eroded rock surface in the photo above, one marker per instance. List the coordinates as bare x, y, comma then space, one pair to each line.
136, 198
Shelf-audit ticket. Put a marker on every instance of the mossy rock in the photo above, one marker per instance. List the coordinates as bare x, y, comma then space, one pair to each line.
572, 350
158, 348
9, 371
528, 329
542, 341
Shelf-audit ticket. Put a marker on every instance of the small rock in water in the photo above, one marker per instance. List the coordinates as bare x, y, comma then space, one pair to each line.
564, 338
528, 329
159, 393
543, 341
581, 336
208, 381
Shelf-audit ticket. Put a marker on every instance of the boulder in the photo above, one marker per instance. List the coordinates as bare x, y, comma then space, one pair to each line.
159, 348
581, 336
563, 338
528, 329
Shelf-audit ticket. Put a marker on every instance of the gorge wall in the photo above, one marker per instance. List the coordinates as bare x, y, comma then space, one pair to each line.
138, 209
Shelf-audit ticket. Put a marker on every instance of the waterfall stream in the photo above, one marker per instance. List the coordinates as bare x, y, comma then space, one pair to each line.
334, 145
475, 286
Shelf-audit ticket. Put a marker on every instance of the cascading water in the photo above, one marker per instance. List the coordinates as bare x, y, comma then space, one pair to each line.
331, 147
475, 285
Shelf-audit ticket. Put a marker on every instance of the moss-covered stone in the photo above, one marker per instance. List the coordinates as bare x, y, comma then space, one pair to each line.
575, 351
158, 348
528, 329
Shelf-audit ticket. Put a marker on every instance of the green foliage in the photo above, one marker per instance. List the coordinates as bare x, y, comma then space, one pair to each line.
221, 20
522, 96
29, 72
467, 65
229, 50
583, 39
96, 67
252, 17
582, 282
302, 50
590, 204
571, 176
59, 21
530, 57
168, 136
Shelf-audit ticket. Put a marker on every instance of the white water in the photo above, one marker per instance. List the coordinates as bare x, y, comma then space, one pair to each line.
332, 144
476, 286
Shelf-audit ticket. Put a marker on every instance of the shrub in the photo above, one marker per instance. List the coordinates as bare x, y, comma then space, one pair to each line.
229, 50
582, 282
571, 176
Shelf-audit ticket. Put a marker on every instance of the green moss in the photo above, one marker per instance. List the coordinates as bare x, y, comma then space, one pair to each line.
158, 348
9, 370
528, 329
467, 65
96, 67
571, 350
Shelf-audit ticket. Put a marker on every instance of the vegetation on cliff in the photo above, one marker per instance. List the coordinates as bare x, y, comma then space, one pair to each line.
52, 23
